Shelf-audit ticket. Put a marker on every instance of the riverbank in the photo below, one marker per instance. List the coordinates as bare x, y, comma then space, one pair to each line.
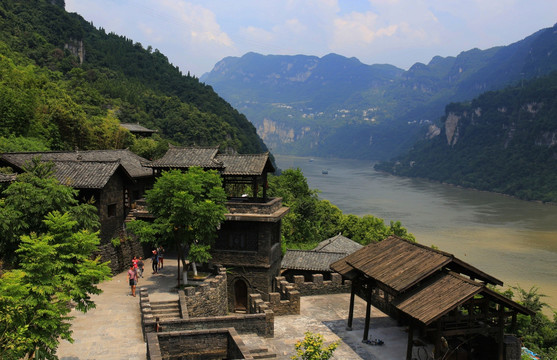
511, 239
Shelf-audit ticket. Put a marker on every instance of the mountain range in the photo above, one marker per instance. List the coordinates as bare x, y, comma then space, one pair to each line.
338, 106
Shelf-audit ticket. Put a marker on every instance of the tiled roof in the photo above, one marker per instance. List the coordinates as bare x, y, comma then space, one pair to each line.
6, 178
340, 244
137, 128
130, 161
85, 174
177, 157
249, 164
310, 260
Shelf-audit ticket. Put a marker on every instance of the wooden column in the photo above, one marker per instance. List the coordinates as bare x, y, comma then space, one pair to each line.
351, 309
501, 334
410, 340
368, 316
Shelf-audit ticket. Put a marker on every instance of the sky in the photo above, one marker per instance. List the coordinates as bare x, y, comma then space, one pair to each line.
196, 34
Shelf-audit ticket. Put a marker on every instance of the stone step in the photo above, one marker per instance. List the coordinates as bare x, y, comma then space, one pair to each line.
165, 305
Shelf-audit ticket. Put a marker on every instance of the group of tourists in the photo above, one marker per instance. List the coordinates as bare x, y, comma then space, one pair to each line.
137, 266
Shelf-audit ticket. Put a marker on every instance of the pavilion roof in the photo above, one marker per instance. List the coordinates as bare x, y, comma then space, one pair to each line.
444, 292
186, 157
310, 260
86, 174
246, 164
130, 161
338, 243
136, 128
399, 264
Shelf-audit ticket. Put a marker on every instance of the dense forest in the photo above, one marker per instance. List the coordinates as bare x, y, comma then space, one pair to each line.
502, 141
65, 84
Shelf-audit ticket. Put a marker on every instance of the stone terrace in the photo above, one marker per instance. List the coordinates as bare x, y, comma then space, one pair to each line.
113, 329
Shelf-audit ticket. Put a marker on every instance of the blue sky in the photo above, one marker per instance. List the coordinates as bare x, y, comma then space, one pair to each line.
196, 34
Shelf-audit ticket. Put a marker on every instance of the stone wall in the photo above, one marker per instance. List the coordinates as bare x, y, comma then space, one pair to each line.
284, 302
252, 206
513, 348
112, 195
210, 298
194, 345
260, 323
318, 286
120, 257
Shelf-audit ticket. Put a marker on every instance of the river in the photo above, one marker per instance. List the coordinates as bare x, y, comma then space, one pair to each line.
513, 240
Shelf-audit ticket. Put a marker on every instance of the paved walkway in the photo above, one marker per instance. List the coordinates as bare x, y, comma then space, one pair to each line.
113, 329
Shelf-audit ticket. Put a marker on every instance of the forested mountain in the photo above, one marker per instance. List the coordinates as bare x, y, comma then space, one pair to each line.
65, 84
334, 106
503, 141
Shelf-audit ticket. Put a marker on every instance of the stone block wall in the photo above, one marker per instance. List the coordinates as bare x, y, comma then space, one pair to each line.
513, 348
120, 257
284, 302
250, 206
194, 345
210, 298
318, 286
261, 323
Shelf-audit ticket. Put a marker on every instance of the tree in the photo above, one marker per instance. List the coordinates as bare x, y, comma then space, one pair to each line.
56, 270
311, 348
188, 209
26, 202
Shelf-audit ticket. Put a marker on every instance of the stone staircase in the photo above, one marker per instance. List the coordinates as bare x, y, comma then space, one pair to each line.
258, 347
165, 309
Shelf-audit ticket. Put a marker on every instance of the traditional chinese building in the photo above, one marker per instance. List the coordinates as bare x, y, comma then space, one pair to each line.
248, 243
113, 179
441, 299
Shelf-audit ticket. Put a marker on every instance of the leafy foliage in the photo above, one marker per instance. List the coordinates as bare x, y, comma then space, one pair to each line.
66, 84
502, 141
55, 269
189, 207
47, 239
26, 202
311, 348
538, 332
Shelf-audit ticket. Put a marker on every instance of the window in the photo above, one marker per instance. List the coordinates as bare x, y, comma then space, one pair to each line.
111, 210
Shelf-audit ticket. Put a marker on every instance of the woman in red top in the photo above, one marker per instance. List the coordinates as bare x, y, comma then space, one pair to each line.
132, 278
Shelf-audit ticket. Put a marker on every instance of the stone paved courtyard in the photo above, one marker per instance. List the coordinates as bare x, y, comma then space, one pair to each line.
113, 330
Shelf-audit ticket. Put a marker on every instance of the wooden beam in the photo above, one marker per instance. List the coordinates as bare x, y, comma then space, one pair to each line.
410, 340
501, 335
351, 309
368, 316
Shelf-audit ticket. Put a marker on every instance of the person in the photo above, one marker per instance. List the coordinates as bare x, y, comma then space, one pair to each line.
135, 262
132, 279
160, 251
155, 261
140, 266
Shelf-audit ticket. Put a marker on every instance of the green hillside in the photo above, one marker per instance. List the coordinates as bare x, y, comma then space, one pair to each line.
503, 141
335, 106
65, 84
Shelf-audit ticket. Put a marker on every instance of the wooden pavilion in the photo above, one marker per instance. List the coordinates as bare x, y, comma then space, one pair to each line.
441, 298
243, 169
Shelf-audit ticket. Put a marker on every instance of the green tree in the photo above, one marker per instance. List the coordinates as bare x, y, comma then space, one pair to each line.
26, 202
311, 348
188, 209
56, 269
